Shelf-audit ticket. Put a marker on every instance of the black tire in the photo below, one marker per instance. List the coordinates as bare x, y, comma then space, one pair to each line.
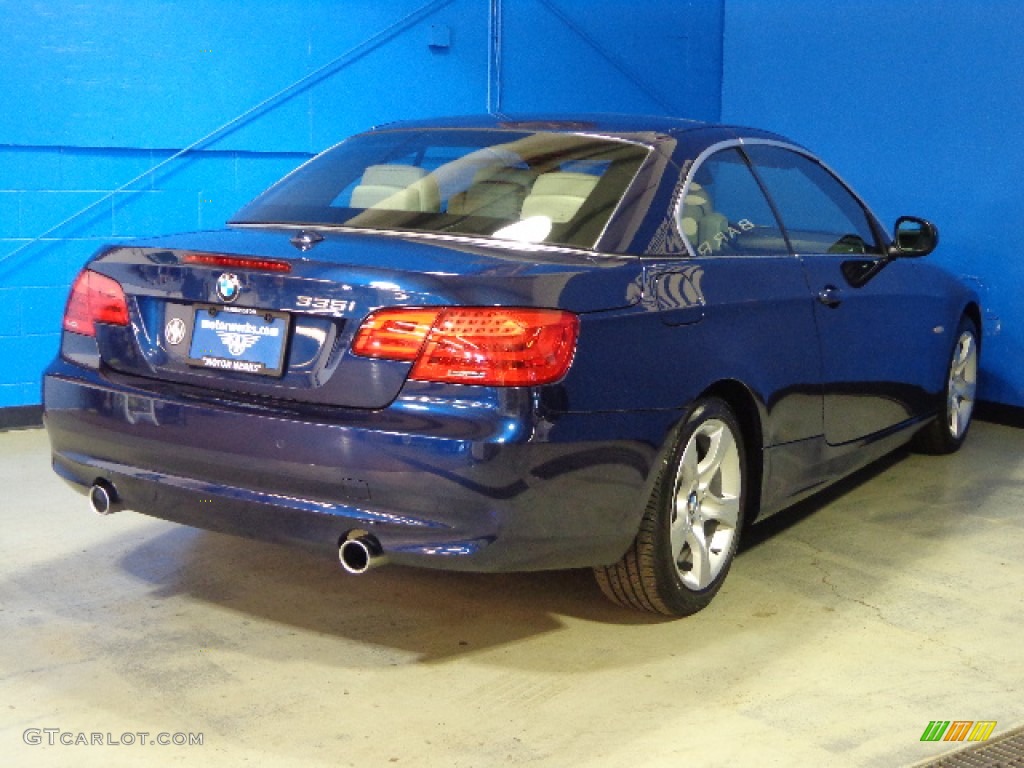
677, 564
949, 429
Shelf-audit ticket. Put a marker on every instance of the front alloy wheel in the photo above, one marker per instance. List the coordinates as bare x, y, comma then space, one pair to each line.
963, 382
690, 530
948, 432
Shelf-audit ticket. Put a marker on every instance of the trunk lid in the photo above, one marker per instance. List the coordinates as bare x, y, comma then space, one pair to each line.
243, 311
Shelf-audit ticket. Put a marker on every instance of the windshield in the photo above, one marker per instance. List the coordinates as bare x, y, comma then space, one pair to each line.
531, 187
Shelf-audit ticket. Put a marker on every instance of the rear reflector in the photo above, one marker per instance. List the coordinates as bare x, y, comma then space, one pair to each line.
237, 262
493, 346
95, 298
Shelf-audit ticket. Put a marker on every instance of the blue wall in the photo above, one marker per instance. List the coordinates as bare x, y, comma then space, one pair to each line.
918, 104
96, 94
913, 101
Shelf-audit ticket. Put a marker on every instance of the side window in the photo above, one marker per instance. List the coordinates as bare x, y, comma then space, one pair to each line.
819, 213
726, 212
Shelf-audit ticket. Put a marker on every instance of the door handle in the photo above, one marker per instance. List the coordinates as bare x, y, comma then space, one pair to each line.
830, 296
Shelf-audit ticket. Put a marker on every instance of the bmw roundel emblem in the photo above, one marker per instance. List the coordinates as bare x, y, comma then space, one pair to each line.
228, 287
175, 331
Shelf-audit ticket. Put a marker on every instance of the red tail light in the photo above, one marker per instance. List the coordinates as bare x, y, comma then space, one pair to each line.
493, 346
95, 298
394, 334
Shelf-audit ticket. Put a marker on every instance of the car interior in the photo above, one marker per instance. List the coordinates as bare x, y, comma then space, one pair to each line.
503, 193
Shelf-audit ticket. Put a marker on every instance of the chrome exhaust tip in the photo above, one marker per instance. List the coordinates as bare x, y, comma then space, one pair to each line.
103, 499
360, 552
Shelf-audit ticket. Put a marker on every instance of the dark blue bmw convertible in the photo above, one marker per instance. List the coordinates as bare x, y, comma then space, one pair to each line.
493, 344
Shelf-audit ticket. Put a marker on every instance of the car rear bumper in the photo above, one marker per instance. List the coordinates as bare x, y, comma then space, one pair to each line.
466, 484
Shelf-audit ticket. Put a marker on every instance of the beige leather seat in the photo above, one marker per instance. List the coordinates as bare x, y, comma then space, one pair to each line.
497, 192
500, 199
558, 195
396, 188
520, 176
699, 221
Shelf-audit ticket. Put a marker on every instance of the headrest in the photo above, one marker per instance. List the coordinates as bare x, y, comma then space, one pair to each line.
392, 175
565, 183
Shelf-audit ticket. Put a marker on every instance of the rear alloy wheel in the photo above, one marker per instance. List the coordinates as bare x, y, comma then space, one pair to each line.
691, 527
947, 433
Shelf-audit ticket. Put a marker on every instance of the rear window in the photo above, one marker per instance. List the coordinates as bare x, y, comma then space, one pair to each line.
534, 187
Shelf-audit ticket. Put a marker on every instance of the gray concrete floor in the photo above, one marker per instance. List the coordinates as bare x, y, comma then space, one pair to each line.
843, 629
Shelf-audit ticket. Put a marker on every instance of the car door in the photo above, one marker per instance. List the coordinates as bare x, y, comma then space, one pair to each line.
744, 294
876, 326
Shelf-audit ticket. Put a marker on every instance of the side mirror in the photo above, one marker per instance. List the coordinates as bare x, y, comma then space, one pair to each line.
913, 237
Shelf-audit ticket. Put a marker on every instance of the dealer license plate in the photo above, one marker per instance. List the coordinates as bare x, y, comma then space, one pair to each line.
239, 339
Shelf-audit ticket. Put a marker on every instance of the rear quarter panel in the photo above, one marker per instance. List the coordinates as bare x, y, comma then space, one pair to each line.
743, 319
